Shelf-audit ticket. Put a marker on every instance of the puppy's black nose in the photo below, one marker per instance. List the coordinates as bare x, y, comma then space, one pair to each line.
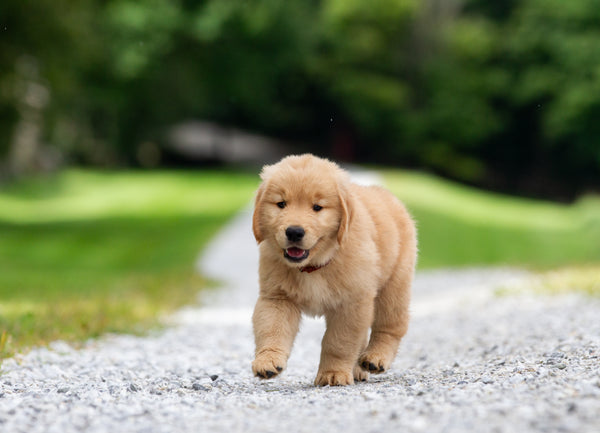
294, 233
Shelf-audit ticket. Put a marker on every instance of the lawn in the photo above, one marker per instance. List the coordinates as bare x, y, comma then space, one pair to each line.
462, 226
86, 252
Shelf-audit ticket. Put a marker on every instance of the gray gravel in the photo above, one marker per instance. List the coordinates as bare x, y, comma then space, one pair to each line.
472, 361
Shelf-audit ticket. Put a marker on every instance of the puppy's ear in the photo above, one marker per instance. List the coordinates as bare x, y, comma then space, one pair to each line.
265, 174
256, 215
344, 197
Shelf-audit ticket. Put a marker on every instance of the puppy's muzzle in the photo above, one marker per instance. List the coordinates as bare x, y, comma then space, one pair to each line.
294, 233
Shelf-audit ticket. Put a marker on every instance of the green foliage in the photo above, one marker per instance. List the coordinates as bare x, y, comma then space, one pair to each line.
529, 83
501, 94
141, 32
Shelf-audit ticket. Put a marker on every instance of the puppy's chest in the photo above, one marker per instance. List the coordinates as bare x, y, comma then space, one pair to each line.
313, 294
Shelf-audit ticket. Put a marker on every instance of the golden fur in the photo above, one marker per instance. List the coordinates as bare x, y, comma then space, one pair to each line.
361, 252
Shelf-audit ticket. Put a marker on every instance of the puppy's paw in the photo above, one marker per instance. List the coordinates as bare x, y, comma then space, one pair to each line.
334, 378
359, 374
268, 365
373, 362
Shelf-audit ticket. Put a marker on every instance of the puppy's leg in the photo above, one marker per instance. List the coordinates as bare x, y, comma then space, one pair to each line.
276, 323
342, 343
390, 323
359, 374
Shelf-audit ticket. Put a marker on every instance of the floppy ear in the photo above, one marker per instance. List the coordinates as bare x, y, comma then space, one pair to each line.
264, 175
256, 215
346, 212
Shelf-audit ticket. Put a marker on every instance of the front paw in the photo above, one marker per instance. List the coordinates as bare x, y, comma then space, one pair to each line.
268, 364
374, 362
334, 378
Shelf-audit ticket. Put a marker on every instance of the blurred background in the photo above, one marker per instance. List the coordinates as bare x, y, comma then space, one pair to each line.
503, 94
483, 116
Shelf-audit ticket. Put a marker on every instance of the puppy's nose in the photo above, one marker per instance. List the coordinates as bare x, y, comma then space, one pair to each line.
294, 233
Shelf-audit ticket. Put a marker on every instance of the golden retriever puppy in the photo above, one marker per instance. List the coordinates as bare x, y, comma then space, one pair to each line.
330, 247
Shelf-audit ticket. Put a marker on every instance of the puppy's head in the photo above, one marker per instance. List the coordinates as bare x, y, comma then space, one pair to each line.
301, 209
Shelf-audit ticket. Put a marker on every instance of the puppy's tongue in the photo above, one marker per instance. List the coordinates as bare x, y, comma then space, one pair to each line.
295, 252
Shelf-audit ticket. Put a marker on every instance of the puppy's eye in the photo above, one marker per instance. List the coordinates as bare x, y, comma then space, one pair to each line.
317, 208
281, 204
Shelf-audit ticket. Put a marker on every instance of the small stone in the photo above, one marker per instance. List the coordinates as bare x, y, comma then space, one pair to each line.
214, 377
133, 387
515, 379
561, 366
199, 387
62, 390
487, 380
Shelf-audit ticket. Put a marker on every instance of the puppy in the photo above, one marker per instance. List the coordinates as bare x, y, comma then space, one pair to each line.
330, 247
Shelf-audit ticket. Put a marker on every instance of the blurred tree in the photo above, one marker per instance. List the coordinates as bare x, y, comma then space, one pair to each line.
511, 95
363, 68
502, 94
456, 83
552, 48
46, 48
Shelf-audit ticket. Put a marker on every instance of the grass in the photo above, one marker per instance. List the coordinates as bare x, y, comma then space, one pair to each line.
86, 252
462, 226
583, 279
83, 253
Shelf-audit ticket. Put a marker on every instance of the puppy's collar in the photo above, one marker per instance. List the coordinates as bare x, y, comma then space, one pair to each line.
309, 269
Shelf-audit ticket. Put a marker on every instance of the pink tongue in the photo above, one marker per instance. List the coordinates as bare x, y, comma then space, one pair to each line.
295, 252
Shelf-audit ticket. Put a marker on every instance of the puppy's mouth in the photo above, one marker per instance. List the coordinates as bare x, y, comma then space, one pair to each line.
295, 254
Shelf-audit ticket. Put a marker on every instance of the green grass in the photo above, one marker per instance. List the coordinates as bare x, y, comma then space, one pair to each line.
86, 252
83, 253
462, 226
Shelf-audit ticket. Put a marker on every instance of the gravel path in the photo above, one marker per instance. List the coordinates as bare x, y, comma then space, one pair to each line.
471, 361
